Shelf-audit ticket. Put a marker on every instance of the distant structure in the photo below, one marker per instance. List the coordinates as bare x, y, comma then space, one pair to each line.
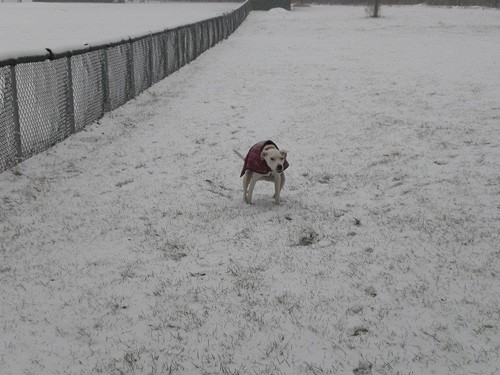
78, 1
269, 4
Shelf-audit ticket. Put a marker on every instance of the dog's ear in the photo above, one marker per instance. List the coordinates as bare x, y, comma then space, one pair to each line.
263, 155
284, 153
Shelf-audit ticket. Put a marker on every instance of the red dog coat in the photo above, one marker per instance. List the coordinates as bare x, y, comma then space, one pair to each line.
254, 161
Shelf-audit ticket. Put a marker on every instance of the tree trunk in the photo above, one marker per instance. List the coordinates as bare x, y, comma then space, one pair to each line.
376, 8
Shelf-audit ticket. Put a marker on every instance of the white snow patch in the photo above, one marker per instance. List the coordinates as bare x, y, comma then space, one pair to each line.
31, 26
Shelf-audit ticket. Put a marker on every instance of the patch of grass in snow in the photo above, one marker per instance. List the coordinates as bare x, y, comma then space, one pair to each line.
308, 238
364, 368
247, 278
171, 248
174, 250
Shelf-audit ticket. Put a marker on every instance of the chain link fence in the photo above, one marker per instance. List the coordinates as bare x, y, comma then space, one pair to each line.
465, 3
46, 98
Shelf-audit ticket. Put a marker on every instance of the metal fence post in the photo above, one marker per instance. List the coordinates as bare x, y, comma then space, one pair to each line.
15, 115
219, 29
214, 31
211, 34
197, 40
151, 60
194, 38
130, 69
105, 82
202, 39
179, 48
71, 104
165, 53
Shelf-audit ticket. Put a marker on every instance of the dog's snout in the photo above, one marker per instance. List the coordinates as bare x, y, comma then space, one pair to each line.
279, 167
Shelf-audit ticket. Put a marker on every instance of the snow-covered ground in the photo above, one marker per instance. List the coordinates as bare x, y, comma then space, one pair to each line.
127, 249
30, 27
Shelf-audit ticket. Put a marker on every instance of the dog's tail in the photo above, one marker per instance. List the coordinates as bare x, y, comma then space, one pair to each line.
241, 156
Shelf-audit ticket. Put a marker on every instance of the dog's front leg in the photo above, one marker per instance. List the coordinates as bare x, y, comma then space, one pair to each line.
282, 180
277, 188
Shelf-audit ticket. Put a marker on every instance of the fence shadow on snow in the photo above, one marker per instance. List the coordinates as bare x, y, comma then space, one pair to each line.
47, 97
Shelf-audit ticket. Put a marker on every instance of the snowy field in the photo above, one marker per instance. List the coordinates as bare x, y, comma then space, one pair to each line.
31, 27
127, 249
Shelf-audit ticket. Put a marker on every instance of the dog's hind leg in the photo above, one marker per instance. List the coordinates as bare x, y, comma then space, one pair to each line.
251, 186
246, 181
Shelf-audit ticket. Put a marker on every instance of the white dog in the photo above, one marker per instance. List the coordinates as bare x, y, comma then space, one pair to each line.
264, 161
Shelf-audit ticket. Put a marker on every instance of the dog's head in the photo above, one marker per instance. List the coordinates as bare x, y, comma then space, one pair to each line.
275, 159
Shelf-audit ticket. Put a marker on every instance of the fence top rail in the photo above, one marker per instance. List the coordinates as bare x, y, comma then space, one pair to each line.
23, 56
42, 54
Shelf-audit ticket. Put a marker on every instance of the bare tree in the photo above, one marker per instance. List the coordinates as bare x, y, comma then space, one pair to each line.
376, 8
373, 8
